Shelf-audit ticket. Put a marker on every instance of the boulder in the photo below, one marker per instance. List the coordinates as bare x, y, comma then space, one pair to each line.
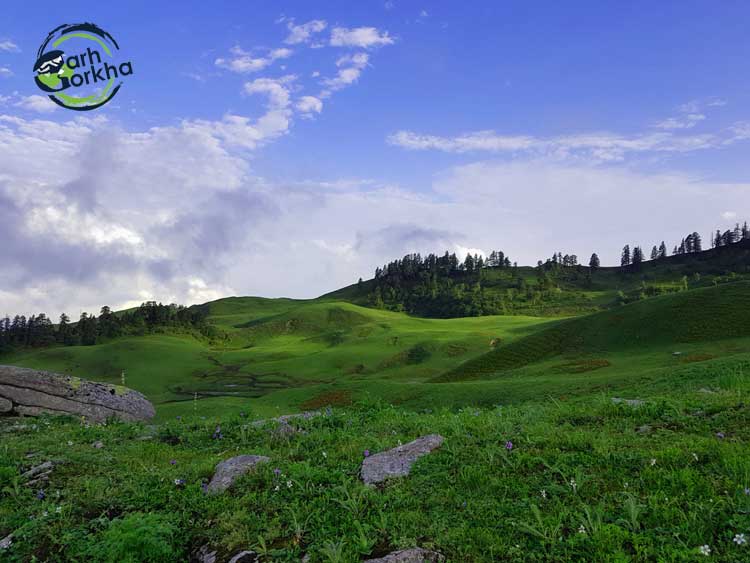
415, 555
6, 542
5, 405
228, 471
32, 392
398, 461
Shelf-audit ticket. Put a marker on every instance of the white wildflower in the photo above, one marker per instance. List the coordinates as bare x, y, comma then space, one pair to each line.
695, 456
543, 493
288, 484
325, 455
704, 550
573, 484
653, 462
276, 488
582, 529
740, 539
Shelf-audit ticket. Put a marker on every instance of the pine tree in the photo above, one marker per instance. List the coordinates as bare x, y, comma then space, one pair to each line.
625, 257
662, 250
637, 259
654, 253
594, 263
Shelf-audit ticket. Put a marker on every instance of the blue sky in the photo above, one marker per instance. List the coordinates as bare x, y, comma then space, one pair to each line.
338, 135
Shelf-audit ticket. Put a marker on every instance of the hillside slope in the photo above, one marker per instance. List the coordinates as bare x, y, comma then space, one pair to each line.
700, 315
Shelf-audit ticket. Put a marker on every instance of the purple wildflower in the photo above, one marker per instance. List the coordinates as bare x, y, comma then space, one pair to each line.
179, 482
40, 494
204, 487
277, 472
217, 433
367, 453
173, 462
509, 445
720, 435
179, 418
747, 491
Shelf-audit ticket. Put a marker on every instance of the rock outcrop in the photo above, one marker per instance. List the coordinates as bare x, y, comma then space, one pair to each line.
31, 392
228, 471
415, 555
398, 461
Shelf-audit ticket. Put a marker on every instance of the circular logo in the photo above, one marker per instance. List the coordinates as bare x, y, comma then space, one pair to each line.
79, 66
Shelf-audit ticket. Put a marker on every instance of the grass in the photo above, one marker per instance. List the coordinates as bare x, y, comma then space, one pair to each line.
583, 482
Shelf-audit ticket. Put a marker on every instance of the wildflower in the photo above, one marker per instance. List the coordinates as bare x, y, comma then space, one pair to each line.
179, 482
325, 455
653, 461
277, 472
704, 550
276, 488
70, 443
179, 418
695, 456
45, 514
288, 484
740, 539
173, 462
58, 510
747, 491
367, 453
543, 493
573, 484
720, 435
40, 494
329, 412
243, 415
582, 529
217, 433
509, 445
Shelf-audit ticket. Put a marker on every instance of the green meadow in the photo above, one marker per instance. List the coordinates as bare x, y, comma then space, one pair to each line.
538, 464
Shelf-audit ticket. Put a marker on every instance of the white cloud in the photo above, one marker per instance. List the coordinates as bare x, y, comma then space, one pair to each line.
5, 72
683, 122
350, 69
8, 46
36, 103
308, 105
244, 62
597, 147
729, 215
88, 228
304, 32
363, 37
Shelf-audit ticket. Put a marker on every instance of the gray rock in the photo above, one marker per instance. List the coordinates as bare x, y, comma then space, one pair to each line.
398, 461
98, 445
34, 392
228, 471
6, 542
415, 555
628, 402
645, 429
5, 405
203, 555
706, 391
43, 468
244, 557
283, 426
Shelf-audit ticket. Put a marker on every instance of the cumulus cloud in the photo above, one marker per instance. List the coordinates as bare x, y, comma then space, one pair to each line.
5, 72
363, 37
303, 33
174, 214
350, 69
36, 103
307, 105
244, 62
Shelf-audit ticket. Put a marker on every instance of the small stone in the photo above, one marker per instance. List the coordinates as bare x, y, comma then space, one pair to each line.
98, 445
204, 555
628, 402
228, 471
397, 462
415, 555
645, 429
6, 542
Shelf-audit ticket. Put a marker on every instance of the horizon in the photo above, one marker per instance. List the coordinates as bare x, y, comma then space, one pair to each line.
330, 140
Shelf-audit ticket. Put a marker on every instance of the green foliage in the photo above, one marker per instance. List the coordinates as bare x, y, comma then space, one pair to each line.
134, 538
